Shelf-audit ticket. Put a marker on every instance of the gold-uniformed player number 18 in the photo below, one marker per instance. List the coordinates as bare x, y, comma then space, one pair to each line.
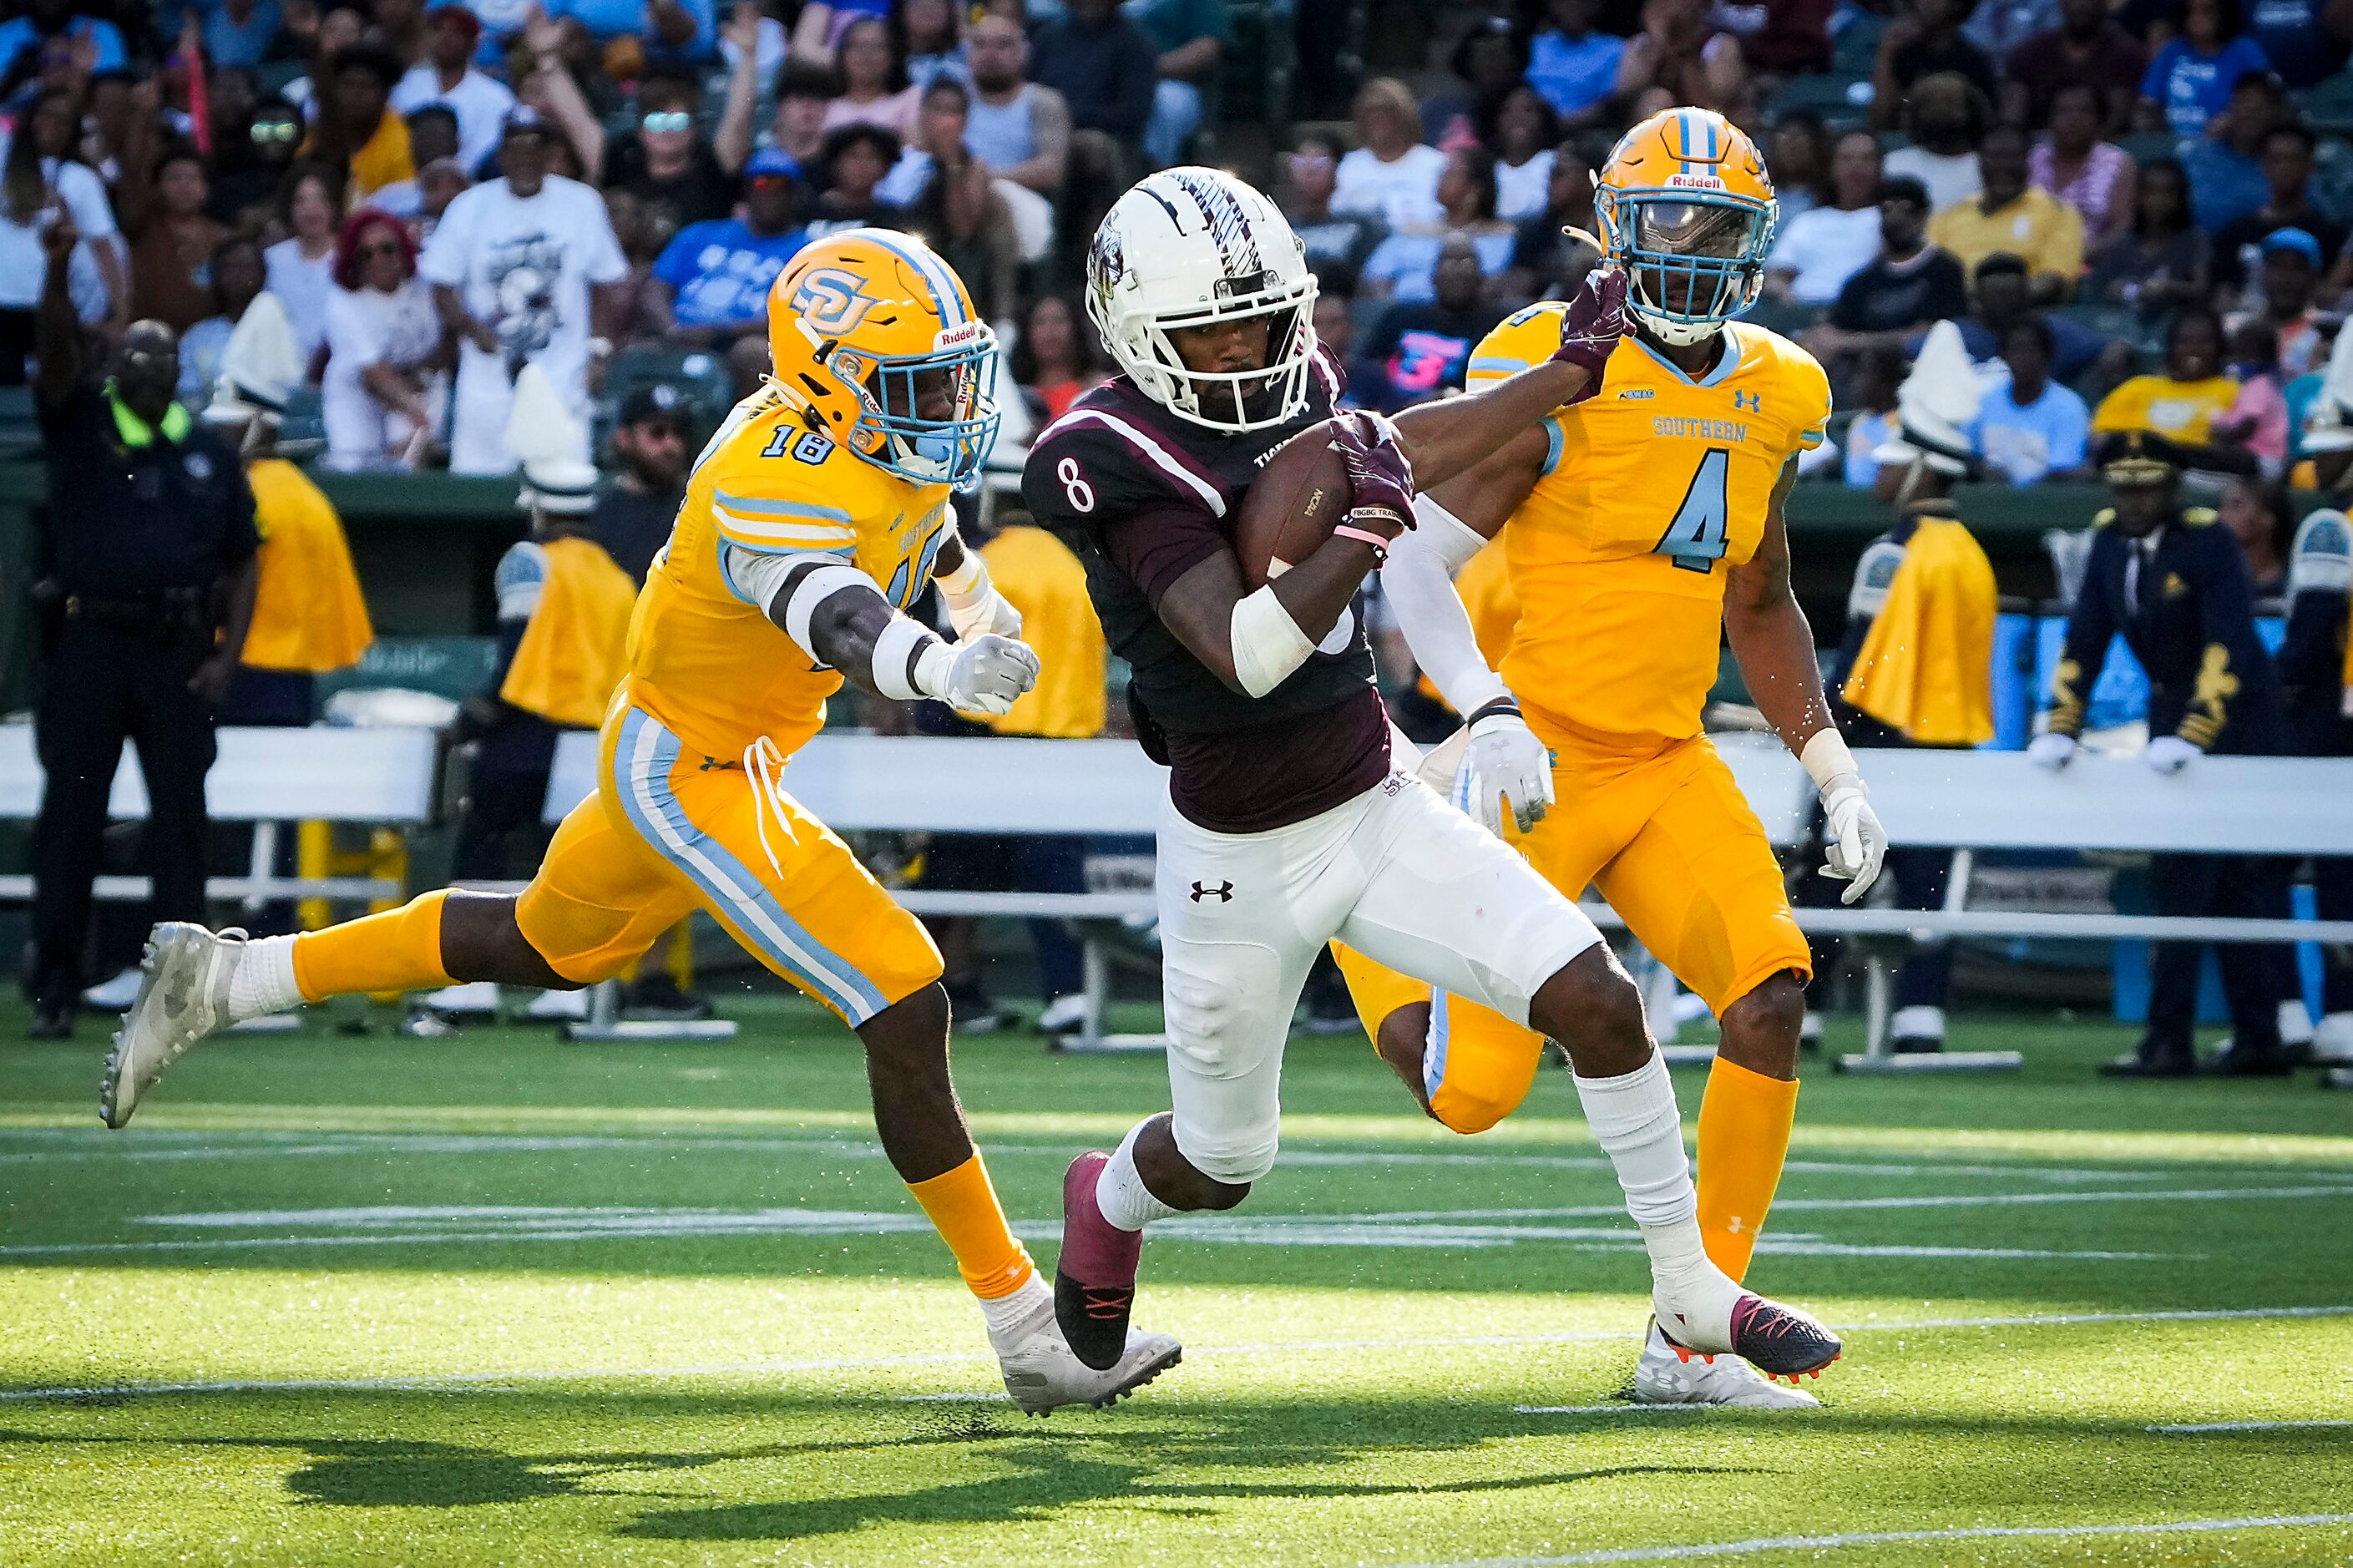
1694, 540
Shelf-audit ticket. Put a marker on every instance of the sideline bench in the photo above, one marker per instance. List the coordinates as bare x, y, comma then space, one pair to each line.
1969, 801
266, 777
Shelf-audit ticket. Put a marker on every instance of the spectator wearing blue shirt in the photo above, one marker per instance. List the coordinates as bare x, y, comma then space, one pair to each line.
1574, 67
671, 29
711, 283
2189, 83
2004, 297
1191, 37
2225, 165
237, 32
2034, 430
2303, 40
21, 38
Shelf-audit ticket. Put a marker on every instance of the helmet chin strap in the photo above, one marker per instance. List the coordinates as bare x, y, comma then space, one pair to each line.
1682, 334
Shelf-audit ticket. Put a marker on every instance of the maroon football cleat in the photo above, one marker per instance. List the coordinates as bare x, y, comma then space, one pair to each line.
1777, 1340
1095, 1279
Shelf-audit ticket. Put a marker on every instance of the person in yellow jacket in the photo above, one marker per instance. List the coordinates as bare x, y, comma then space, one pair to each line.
1039, 577
309, 615
1915, 667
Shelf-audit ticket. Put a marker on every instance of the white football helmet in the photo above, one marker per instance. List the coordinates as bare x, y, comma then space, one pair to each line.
1186, 247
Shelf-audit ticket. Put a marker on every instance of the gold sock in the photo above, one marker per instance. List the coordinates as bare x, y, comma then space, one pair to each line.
1744, 1137
399, 949
964, 1210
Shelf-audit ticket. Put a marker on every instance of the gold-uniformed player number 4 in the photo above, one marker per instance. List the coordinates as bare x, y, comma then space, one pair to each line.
1694, 540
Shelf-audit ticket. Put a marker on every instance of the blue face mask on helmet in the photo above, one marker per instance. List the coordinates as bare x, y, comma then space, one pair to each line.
927, 451
1694, 260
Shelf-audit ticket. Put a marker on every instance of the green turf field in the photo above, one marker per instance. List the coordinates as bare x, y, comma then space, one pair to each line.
499, 1299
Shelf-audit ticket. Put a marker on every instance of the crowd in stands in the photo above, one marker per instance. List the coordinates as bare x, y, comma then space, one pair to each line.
2123, 203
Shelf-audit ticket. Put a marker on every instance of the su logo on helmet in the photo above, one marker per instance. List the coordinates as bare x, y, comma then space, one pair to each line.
833, 300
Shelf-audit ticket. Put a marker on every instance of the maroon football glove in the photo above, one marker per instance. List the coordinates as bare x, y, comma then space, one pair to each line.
1591, 326
1380, 479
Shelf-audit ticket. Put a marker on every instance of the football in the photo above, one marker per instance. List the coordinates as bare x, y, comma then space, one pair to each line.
1296, 500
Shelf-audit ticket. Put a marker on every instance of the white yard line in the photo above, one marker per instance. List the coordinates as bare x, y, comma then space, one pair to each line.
1619, 1409
2193, 1428
1919, 1201
1422, 1345
252, 1143
1898, 1537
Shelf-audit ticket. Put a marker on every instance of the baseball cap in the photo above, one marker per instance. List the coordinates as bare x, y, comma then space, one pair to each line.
652, 400
772, 163
524, 120
458, 14
2298, 240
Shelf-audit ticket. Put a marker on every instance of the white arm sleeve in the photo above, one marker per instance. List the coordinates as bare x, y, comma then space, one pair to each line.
1268, 643
1419, 582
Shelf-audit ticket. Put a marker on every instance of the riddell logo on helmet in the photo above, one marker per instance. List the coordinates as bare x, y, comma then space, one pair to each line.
1695, 182
961, 335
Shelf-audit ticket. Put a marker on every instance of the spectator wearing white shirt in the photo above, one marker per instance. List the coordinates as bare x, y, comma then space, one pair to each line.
1826, 244
448, 77
1946, 117
1019, 130
40, 177
1522, 132
381, 398
2033, 430
1392, 171
518, 267
300, 269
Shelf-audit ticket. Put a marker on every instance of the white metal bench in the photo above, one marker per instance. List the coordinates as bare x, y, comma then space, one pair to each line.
265, 776
1966, 800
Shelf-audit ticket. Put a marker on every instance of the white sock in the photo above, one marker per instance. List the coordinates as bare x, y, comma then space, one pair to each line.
1005, 1312
1120, 1191
1634, 1119
262, 981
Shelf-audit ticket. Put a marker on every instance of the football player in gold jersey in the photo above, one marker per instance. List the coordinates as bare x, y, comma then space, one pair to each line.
815, 517
1639, 525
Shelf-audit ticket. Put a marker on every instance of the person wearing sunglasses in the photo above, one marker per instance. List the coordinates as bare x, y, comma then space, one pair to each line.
711, 284
525, 269
382, 393
666, 161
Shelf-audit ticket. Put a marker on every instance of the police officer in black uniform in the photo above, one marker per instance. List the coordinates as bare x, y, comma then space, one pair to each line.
147, 585
2177, 587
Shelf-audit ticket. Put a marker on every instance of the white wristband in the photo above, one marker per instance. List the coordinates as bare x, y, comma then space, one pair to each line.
967, 581
1267, 643
1826, 757
896, 658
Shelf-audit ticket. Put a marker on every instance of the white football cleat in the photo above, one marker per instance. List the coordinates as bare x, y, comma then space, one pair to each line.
183, 998
1664, 1377
1043, 1372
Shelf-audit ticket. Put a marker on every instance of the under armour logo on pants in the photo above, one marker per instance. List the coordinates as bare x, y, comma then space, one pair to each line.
1223, 892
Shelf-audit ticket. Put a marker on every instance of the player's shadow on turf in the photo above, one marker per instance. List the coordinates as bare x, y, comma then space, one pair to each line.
1051, 1479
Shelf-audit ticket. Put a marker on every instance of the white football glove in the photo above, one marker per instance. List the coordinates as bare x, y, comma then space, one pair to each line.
2051, 750
985, 675
1857, 842
1505, 766
2169, 754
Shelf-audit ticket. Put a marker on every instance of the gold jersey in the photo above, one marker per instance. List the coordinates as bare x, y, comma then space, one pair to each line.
1651, 491
704, 657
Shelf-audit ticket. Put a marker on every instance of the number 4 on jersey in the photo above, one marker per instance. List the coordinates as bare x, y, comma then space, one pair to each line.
1694, 540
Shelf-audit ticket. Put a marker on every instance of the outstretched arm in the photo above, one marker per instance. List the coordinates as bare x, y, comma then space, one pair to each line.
838, 616
1775, 646
1442, 439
